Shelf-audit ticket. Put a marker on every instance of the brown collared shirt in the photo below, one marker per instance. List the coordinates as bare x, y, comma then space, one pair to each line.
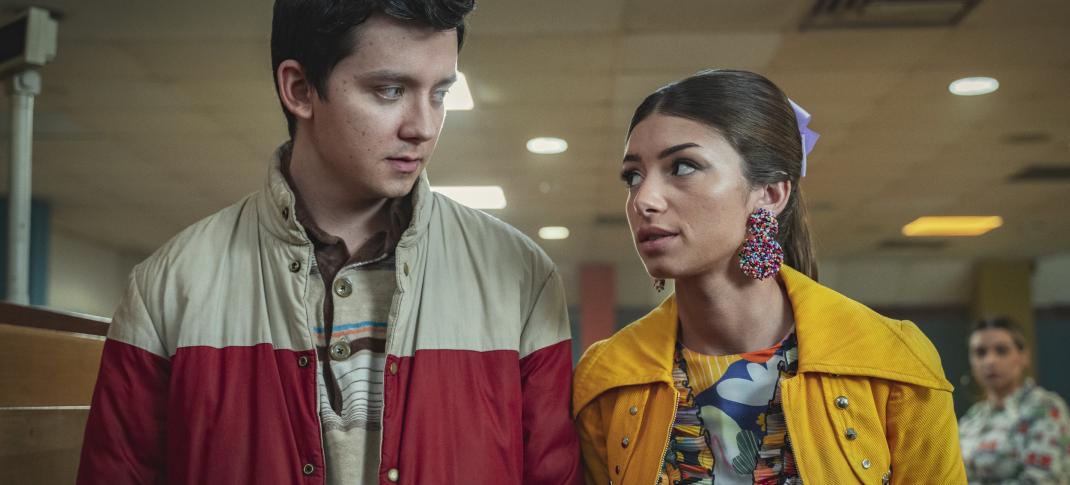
354, 294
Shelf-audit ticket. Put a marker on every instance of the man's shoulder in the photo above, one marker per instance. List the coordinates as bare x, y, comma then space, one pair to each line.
473, 227
203, 241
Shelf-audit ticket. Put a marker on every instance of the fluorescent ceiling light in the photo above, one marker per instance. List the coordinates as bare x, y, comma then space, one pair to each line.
973, 86
546, 145
476, 197
930, 226
460, 97
553, 232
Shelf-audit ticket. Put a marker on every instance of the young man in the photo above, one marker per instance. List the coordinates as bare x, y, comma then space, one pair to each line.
344, 324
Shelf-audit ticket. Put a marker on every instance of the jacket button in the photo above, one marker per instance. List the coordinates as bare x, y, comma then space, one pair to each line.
342, 287
633, 410
392, 474
850, 434
340, 350
616, 469
392, 368
841, 402
866, 464
302, 361
405, 268
625, 442
295, 266
308, 469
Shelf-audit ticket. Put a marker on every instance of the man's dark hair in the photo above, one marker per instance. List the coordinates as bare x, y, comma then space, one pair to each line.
318, 34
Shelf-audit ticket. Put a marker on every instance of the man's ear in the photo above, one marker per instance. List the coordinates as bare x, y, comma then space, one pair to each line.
773, 197
295, 90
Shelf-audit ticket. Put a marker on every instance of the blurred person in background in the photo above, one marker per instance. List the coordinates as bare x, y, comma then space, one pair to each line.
344, 324
1019, 432
751, 372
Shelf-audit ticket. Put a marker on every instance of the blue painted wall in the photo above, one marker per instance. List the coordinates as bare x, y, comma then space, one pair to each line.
40, 231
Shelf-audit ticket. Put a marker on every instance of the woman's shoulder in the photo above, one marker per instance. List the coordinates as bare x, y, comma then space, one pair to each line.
1047, 402
840, 335
639, 353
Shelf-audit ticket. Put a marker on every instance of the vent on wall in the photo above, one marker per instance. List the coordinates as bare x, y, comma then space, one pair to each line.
1042, 173
875, 14
610, 220
1026, 138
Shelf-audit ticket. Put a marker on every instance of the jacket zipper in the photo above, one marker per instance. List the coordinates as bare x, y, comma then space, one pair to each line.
665, 449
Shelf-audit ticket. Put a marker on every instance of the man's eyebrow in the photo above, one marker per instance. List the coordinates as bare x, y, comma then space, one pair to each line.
387, 75
447, 81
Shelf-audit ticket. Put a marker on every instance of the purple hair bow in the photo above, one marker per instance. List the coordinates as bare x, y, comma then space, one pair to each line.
809, 137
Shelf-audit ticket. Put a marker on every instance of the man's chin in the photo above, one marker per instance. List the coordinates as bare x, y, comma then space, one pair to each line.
399, 188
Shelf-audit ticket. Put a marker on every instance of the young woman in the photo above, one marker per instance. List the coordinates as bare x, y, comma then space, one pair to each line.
751, 372
1020, 433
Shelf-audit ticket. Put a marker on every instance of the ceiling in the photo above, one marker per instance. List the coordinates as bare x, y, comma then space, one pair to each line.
155, 114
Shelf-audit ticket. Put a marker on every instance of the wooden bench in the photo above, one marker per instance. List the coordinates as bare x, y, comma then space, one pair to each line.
48, 367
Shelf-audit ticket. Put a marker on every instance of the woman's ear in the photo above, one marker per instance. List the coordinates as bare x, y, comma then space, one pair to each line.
295, 91
773, 197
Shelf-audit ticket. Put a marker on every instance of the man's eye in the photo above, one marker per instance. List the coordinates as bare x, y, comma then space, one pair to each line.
391, 92
440, 95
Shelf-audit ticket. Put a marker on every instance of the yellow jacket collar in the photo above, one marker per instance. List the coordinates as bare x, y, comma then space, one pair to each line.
836, 335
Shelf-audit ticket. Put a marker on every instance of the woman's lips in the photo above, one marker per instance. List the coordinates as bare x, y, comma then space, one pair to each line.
655, 240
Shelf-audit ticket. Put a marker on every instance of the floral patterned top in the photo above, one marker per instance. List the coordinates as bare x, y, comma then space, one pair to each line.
1027, 440
730, 426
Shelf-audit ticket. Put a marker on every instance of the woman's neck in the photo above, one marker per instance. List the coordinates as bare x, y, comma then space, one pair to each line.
998, 397
725, 314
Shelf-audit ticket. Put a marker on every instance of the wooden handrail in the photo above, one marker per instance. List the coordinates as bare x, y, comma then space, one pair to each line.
39, 317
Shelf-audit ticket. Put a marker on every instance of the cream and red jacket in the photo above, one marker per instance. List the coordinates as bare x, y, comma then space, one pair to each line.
209, 371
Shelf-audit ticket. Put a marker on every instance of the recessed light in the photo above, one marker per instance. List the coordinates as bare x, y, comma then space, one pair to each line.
459, 98
553, 232
934, 226
476, 197
546, 145
973, 86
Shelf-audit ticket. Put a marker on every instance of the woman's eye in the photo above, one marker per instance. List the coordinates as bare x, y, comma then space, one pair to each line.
631, 178
391, 92
683, 167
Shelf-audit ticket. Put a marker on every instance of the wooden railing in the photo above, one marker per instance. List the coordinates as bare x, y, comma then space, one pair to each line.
48, 367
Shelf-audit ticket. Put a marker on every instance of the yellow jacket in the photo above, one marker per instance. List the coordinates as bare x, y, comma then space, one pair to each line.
897, 400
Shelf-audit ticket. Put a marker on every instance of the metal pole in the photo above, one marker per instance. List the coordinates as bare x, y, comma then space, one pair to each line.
24, 86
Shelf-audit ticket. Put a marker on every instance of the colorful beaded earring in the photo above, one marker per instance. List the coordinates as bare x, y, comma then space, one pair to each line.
761, 255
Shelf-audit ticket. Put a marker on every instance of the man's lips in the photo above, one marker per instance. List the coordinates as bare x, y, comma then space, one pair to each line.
405, 164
